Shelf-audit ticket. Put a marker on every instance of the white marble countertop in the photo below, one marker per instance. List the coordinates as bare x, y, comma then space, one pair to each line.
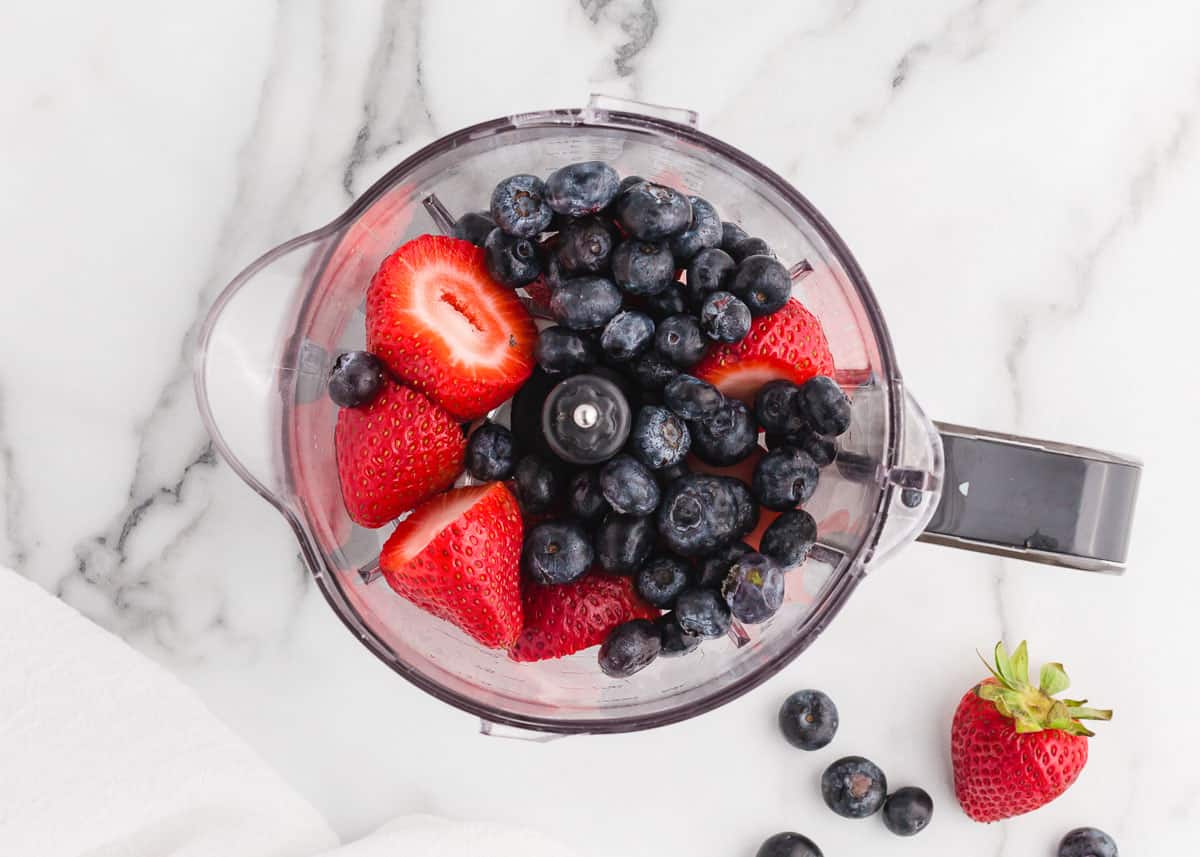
1020, 180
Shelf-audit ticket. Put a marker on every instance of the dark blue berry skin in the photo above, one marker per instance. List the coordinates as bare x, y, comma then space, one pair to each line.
669, 474
519, 206
511, 261
911, 497
784, 478
678, 338
763, 284
675, 641
652, 212
711, 571
854, 787
731, 234
777, 408
659, 438
628, 486
563, 351
580, 189
661, 580
724, 317
585, 303
536, 484
627, 335
825, 406
753, 589
698, 514
474, 226
703, 232
643, 267
585, 246
710, 270
628, 182
355, 379
556, 552
666, 303
790, 537
748, 247
702, 613
726, 437
586, 499
822, 450
653, 371
630, 647
692, 398
747, 506
1087, 842
491, 455
808, 719
908, 811
789, 845
623, 542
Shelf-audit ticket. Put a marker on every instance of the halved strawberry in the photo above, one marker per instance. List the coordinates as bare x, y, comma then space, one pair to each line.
441, 324
787, 344
562, 620
457, 557
395, 452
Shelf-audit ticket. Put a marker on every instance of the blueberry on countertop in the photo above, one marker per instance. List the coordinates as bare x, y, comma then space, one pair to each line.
628, 486
661, 580
491, 454
703, 232
702, 613
692, 398
627, 335
808, 719
825, 406
724, 317
511, 261
753, 588
556, 552
474, 226
908, 810
652, 212
854, 787
726, 437
623, 542
355, 379
680, 340
585, 303
536, 484
580, 189
585, 246
790, 537
784, 478
630, 647
789, 845
1087, 842
643, 267
762, 283
659, 438
519, 206
564, 351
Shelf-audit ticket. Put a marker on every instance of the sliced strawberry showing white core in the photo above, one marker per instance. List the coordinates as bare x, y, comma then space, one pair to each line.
430, 518
743, 380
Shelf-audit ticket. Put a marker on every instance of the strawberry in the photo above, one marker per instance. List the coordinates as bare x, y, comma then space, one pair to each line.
457, 557
394, 452
1014, 747
787, 344
561, 620
442, 325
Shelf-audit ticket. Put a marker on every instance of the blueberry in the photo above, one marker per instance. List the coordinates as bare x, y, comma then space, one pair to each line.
698, 514
711, 270
355, 379
1087, 842
825, 406
784, 478
661, 580
702, 613
911, 497
536, 483
586, 419
585, 498
585, 303
643, 267
653, 371
631, 646
822, 450
579, 189
670, 473
666, 303
627, 335
511, 261
749, 247
563, 351
790, 537
724, 317
627, 183
519, 206
659, 438
726, 437
474, 226
556, 552
490, 453
585, 246
675, 641
623, 542
710, 572
629, 487
652, 212
753, 589
777, 407
762, 283
789, 845
731, 234
853, 787
907, 812
679, 339
703, 232
747, 507
692, 398
808, 719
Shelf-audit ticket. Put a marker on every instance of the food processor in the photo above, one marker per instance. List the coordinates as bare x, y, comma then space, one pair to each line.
267, 344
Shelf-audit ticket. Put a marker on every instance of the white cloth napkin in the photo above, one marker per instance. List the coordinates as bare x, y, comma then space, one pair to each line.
105, 754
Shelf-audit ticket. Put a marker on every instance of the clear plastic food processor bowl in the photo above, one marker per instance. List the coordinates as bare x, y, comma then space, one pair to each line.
268, 342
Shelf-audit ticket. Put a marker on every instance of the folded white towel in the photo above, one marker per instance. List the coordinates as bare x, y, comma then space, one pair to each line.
105, 754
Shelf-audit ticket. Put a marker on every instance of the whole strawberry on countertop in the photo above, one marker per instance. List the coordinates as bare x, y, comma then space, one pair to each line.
1014, 746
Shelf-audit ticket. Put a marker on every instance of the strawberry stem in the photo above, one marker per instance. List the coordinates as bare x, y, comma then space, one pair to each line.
1034, 709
